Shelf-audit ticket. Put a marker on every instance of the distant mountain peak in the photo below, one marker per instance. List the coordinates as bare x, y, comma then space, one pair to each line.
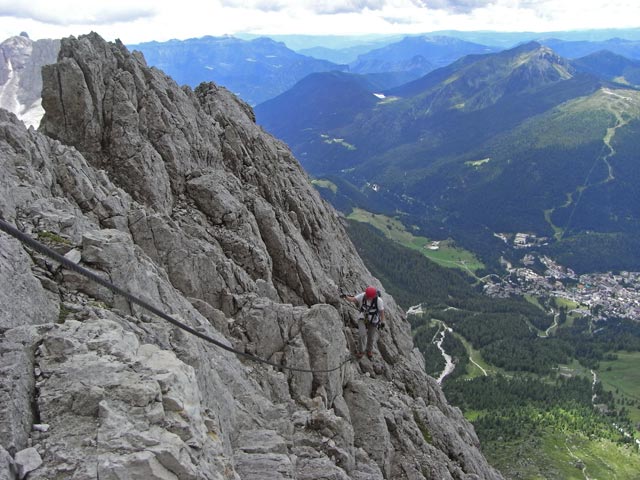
20, 81
532, 45
477, 81
416, 55
546, 62
17, 41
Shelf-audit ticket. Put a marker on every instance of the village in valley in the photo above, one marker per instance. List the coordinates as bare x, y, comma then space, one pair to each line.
601, 295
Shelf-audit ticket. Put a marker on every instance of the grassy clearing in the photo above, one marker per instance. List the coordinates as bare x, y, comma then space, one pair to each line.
574, 369
571, 306
477, 163
447, 254
472, 415
387, 100
566, 456
477, 367
622, 377
325, 184
534, 301
578, 457
565, 302
337, 141
557, 231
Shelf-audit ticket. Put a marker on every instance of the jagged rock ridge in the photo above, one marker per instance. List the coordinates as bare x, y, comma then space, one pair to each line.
178, 197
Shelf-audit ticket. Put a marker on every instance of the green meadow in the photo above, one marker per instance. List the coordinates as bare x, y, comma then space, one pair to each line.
622, 377
565, 456
446, 254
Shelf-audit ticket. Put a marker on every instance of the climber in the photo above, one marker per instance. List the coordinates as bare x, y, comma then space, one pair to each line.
371, 318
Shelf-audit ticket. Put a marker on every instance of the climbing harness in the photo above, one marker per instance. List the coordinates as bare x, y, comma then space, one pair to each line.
43, 249
370, 310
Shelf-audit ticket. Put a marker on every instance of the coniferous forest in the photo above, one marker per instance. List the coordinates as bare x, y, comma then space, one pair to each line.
527, 393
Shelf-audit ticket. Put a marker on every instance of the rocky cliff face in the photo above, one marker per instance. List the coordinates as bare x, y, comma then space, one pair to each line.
179, 198
20, 80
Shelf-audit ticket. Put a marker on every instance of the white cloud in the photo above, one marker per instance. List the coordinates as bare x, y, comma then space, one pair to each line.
260, 5
331, 7
453, 6
77, 12
136, 21
321, 7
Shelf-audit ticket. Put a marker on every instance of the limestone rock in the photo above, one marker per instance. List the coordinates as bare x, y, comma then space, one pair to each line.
26, 461
17, 385
7, 466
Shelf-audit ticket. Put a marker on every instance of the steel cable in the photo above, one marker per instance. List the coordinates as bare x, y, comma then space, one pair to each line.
43, 249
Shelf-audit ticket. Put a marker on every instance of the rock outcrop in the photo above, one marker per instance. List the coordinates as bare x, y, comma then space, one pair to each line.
179, 198
20, 80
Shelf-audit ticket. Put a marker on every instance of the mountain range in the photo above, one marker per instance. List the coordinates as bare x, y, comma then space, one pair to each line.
258, 69
416, 55
255, 70
519, 140
580, 48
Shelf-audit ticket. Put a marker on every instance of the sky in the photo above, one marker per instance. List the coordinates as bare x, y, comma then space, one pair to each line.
135, 21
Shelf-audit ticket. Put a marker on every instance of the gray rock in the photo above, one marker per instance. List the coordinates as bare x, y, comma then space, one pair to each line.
17, 385
74, 255
319, 469
7, 466
26, 461
321, 332
259, 466
369, 424
138, 465
262, 441
22, 296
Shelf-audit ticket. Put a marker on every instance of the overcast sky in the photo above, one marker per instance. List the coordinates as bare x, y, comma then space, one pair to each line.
134, 21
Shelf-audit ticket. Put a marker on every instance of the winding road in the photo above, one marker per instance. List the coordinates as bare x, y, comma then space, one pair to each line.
554, 325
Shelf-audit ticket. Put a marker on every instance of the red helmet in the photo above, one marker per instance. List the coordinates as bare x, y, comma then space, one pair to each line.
371, 292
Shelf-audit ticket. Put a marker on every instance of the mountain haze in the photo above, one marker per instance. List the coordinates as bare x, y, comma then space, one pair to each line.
416, 55
581, 48
255, 70
610, 66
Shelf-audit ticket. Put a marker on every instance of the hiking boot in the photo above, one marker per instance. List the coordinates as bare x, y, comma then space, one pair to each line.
369, 354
